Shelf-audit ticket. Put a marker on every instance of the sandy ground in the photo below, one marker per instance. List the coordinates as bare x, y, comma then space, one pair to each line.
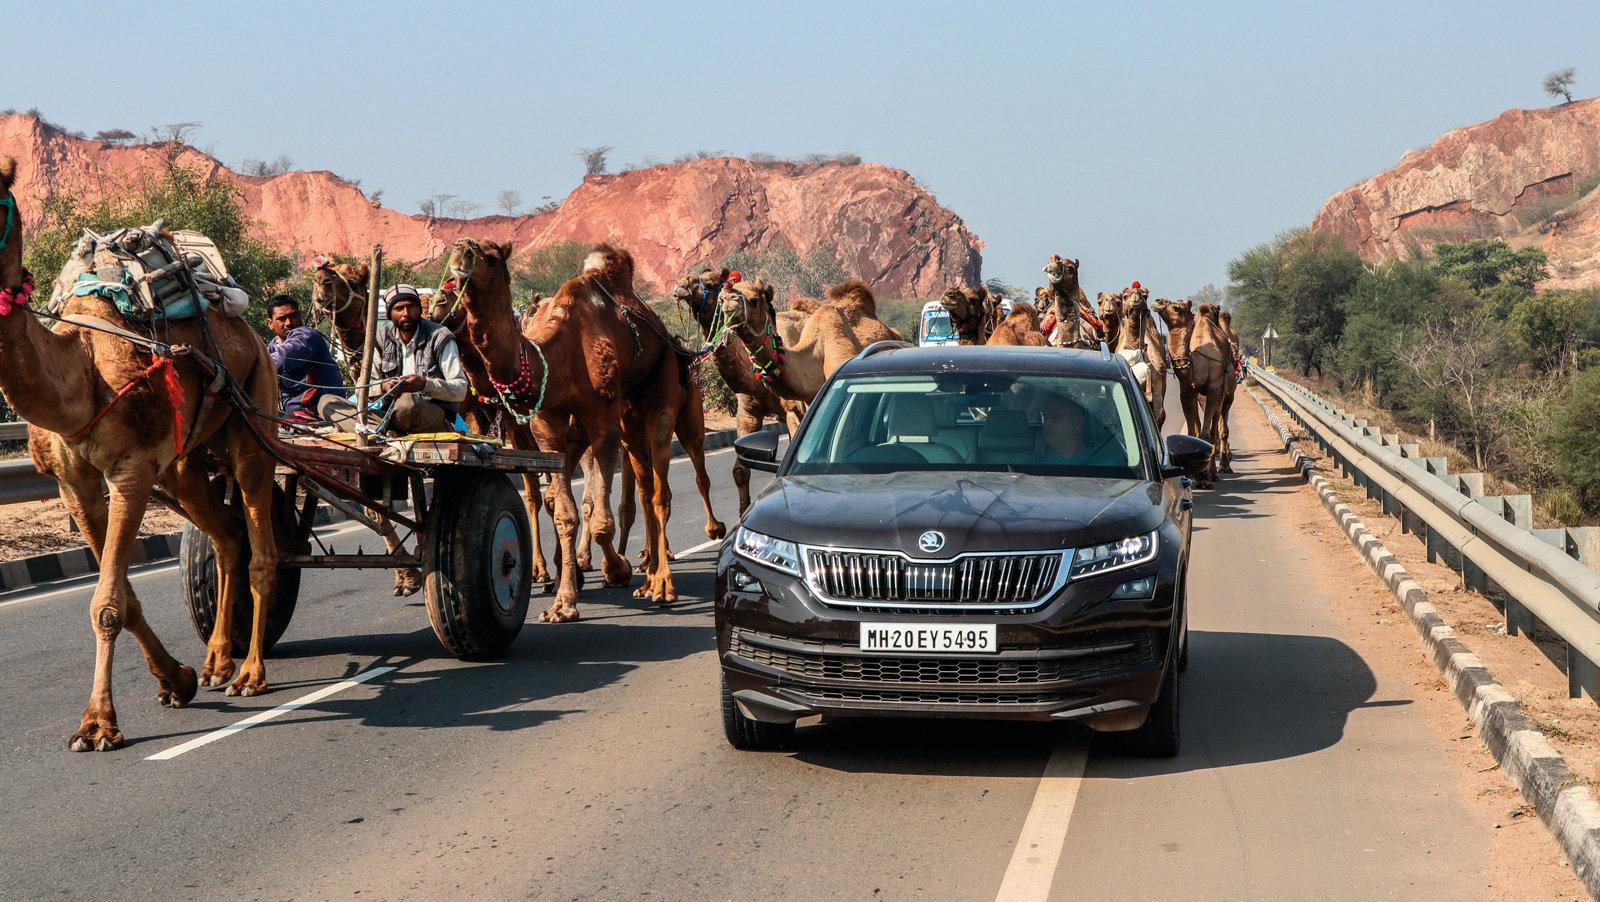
35, 527
1527, 863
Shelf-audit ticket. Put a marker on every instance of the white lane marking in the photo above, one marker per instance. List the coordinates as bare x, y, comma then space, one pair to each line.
700, 547
1044, 833
265, 716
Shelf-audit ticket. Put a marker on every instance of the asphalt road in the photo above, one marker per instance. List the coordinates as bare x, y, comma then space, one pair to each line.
590, 764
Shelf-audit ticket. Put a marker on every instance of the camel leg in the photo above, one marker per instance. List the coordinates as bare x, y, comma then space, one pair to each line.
252, 470
530, 496
603, 441
407, 580
746, 421
564, 515
1158, 397
175, 683
628, 509
691, 430
211, 516
651, 431
1226, 446
108, 611
1212, 409
1190, 399
585, 561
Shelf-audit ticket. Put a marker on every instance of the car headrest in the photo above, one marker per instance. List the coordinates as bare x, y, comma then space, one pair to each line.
1006, 429
912, 415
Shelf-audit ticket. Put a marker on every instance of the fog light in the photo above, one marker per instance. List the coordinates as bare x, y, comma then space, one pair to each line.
743, 582
1136, 588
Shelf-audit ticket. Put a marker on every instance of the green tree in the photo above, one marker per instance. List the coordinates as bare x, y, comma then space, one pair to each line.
543, 270
1550, 327
1573, 440
790, 274
1484, 263
183, 199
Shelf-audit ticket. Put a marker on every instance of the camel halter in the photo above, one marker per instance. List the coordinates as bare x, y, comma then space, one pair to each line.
10, 203
767, 372
18, 295
507, 392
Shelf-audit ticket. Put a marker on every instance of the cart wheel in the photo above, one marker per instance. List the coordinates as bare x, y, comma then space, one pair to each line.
197, 559
475, 554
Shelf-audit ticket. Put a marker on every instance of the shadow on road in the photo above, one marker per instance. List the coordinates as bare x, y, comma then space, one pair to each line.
1235, 494
1247, 698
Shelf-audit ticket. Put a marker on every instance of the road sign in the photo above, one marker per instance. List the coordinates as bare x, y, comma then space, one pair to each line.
1270, 334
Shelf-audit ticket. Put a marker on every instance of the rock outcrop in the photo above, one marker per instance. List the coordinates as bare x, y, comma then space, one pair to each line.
883, 226
1483, 181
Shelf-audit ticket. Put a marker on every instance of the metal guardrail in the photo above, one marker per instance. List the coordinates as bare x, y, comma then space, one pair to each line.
1541, 574
18, 479
13, 432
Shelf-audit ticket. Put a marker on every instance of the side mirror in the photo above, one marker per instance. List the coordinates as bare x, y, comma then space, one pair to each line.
1186, 456
759, 450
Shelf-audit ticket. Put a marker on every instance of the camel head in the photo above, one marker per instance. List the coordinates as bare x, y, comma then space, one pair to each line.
954, 302
1061, 270
480, 269
1108, 304
1176, 314
697, 290
748, 304
336, 286
1133, 299
11, 271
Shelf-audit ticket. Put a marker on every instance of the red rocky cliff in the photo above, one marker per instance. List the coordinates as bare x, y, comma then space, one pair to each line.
1471, 182
883, 225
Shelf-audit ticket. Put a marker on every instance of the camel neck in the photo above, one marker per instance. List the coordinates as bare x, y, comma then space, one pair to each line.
45, 375
1178, 340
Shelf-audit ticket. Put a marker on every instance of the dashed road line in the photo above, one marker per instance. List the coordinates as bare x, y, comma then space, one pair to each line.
265, 716
1038, 850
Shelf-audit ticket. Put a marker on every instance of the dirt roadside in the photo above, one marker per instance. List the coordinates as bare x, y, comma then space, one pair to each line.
1525, 862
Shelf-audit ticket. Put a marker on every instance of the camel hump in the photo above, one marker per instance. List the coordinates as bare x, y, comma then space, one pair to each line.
805, 305
614, 264
8, 172
855, 294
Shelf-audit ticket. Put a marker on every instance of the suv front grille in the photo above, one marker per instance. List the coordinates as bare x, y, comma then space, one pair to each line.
1101, 654
989, 582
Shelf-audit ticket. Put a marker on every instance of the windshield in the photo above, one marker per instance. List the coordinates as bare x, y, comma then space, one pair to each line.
1000, 422
936, 327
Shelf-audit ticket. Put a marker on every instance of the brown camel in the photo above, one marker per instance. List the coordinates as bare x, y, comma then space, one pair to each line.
832, 333
969, 313
1020, 328
1211, 362
1179, 317
100, 407
1108, 306
1225, 320
561, 383
339, 292
1062, 274
1139, 341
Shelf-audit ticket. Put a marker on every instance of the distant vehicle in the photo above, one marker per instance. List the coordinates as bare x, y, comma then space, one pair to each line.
982, 533
934, 329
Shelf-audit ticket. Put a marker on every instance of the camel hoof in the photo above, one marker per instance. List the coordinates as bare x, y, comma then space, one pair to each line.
183, 694
559, 613
96, 735
585, 563
715, 530
618, 573
407, 580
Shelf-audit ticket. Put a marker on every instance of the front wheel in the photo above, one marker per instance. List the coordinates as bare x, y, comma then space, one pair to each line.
1158, 738
747, 734
475, 562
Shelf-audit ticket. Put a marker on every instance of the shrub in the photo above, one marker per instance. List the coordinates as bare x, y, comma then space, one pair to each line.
790, 274
1573, 441
544, 269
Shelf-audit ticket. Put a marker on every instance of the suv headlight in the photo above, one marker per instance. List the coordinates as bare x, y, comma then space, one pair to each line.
777, 553
1113, 555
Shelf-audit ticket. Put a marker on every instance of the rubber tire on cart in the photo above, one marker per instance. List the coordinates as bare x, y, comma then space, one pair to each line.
476, 551
1159, 736
197, 561
751, 735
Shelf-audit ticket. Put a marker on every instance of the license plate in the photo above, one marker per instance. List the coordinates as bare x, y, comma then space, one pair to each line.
913, 638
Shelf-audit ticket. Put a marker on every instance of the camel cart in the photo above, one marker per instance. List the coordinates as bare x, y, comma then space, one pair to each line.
466, 521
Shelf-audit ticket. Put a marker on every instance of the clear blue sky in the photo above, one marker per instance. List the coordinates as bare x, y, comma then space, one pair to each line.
1154, 141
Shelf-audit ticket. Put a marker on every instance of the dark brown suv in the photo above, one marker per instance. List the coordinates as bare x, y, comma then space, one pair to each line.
962, 532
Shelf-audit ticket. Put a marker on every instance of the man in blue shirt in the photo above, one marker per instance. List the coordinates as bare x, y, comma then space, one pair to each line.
309, 380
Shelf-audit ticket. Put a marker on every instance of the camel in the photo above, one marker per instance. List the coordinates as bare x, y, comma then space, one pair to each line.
339, 292
1108, 306
1139, 341
1211, 363
832, 333
1020, 328
100, 407
1225, 320
969, 313
1179, 317
700, 294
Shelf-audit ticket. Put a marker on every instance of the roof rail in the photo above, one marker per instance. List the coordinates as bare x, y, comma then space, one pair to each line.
888, 344
1105, 352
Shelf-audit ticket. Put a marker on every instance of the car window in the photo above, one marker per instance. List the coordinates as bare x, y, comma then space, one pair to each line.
1027, 423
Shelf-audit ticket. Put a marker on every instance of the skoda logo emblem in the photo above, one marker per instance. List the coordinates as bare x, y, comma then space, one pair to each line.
931, 541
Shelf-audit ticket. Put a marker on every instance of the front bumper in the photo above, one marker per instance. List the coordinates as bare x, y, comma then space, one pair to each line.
1081, 656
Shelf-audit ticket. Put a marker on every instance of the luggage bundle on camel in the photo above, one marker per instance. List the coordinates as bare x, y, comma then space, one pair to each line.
150, 274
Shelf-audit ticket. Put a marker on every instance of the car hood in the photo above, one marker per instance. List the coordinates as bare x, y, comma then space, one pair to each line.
975, 511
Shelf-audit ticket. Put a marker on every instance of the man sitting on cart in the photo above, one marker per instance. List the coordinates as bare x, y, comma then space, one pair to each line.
418, 367
309, 382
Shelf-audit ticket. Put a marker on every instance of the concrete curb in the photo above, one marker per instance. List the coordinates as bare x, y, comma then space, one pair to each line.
1561, 798
23, 573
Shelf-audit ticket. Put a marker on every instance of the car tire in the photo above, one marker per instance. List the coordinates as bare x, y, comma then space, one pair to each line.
750, 735
1158, 738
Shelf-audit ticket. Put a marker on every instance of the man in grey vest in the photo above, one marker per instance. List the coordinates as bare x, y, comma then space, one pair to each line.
419, 365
